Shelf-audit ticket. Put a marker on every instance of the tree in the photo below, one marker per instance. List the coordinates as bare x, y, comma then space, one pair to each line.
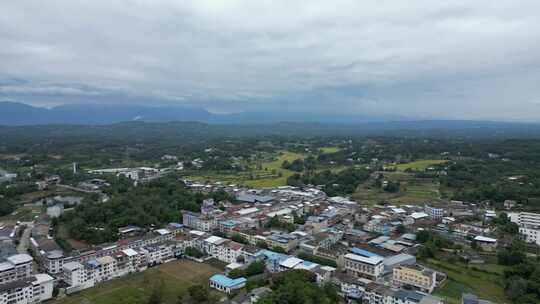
278, 249
255, 268
400, 229
298, 287
261, 244
198, 293
193, 252
515, 288
238, 238
236, 273
423, 236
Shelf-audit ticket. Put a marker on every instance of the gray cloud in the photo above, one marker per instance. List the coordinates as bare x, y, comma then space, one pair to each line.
455, 59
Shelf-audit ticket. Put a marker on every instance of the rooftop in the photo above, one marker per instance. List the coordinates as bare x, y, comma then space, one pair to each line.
367, 260
20, 259
226, 281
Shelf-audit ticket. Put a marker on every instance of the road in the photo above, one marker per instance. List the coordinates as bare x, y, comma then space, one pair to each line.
24, 242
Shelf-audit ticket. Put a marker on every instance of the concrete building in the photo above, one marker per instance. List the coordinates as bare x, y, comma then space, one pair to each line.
361, 266
416, 276
486, 243
16, 267
30, 290
529, 226
434, 212
525, 218
77, 277
530, 234
282, 240
198, 221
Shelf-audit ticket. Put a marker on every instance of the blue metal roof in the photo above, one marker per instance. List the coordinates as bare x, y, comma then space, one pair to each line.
272, 255
228, 223
226, 281
363, 252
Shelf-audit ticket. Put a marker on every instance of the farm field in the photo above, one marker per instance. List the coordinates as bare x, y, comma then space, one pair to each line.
329, 149
174, 277
265, 174
419, 165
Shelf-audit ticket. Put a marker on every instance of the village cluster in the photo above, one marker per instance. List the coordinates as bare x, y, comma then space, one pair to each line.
368, 252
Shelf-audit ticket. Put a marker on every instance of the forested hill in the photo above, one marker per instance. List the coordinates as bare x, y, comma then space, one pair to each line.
186, 131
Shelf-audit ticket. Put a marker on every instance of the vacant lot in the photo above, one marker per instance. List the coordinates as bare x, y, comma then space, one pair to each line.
412, 190
174, 277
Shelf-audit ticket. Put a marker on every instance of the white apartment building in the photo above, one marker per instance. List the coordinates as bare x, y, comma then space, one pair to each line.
77, 277
367, 267
525, 218
529, 225
103, 268
31, 290
434, 212
198, 221
15, 268
530, 234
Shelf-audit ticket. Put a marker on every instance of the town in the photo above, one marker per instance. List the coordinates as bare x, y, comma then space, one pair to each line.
367, 253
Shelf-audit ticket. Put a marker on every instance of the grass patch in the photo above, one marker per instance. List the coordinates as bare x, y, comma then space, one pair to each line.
175, 277
412, 190
419, 165
462, 278
451, 291
329, 149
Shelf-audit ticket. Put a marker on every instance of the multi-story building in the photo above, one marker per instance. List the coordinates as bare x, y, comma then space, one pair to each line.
434, 212
103, 268
361, 266
416, 276
530, 234
282, 240
77, 276
15, 268
198, 221
30, 290
525, 218
378, 226
529, 225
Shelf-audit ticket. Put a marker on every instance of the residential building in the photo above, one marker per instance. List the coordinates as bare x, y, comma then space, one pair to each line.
30, 290
16, 267
530, 234
525, 218
77, 277
529, 225
434, 212
416, 276
198, 221
360, 266
282, 240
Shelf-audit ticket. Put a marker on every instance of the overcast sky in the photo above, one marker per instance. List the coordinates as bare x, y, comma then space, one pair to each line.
431, 59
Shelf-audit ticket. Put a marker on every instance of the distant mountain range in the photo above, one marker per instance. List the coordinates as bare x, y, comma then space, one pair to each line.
21, 120
17, 114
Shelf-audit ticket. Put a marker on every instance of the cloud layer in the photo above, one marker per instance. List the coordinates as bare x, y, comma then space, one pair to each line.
452, 59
